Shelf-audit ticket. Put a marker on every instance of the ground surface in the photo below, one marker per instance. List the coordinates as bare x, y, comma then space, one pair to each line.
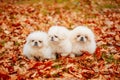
18, 18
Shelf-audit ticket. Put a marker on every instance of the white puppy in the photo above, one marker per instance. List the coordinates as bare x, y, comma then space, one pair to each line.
82, 39
36, 46
59, 40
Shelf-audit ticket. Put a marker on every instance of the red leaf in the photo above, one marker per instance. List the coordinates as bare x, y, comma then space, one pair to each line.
10, 69
40, 73
27, 21
85, 54
72, 69
97, 30
48, 63
117, 48
101, 64
14, 58
71, 60
98, 54
36, 65
88, 74
21, 77
16, 24
4, 76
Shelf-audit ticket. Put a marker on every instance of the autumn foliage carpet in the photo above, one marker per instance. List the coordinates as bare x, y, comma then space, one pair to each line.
20, 17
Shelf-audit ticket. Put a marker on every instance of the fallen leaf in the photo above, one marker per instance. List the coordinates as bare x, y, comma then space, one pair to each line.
98, 53
117, 38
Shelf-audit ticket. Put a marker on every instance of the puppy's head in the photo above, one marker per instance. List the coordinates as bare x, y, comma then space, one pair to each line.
57, 33
37, 39
82, 34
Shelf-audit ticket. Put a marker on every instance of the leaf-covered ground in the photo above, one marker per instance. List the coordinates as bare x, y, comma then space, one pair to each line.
20, 17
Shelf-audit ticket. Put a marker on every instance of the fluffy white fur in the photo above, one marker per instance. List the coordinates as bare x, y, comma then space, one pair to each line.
59, 40
82, 39
36, 46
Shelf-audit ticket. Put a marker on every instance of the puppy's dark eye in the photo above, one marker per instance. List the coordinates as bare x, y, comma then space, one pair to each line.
78, 35
56, 36
86, 37
40, 41
32, 40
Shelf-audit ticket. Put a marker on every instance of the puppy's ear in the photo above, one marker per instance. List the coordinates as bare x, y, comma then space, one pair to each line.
73, 35
45, 41
62, 36
28, 38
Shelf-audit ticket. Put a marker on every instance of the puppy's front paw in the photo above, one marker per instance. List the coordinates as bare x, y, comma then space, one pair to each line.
72, 55
53, 56
64, 54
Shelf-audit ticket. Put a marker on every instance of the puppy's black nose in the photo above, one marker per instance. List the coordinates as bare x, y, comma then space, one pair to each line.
52, 39
81, 39
35, 44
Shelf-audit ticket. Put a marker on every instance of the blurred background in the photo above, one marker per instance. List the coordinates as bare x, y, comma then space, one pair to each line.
41, 14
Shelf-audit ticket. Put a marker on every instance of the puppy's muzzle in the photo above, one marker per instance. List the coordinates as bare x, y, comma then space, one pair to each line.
52, 39
81, 39
35, 44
